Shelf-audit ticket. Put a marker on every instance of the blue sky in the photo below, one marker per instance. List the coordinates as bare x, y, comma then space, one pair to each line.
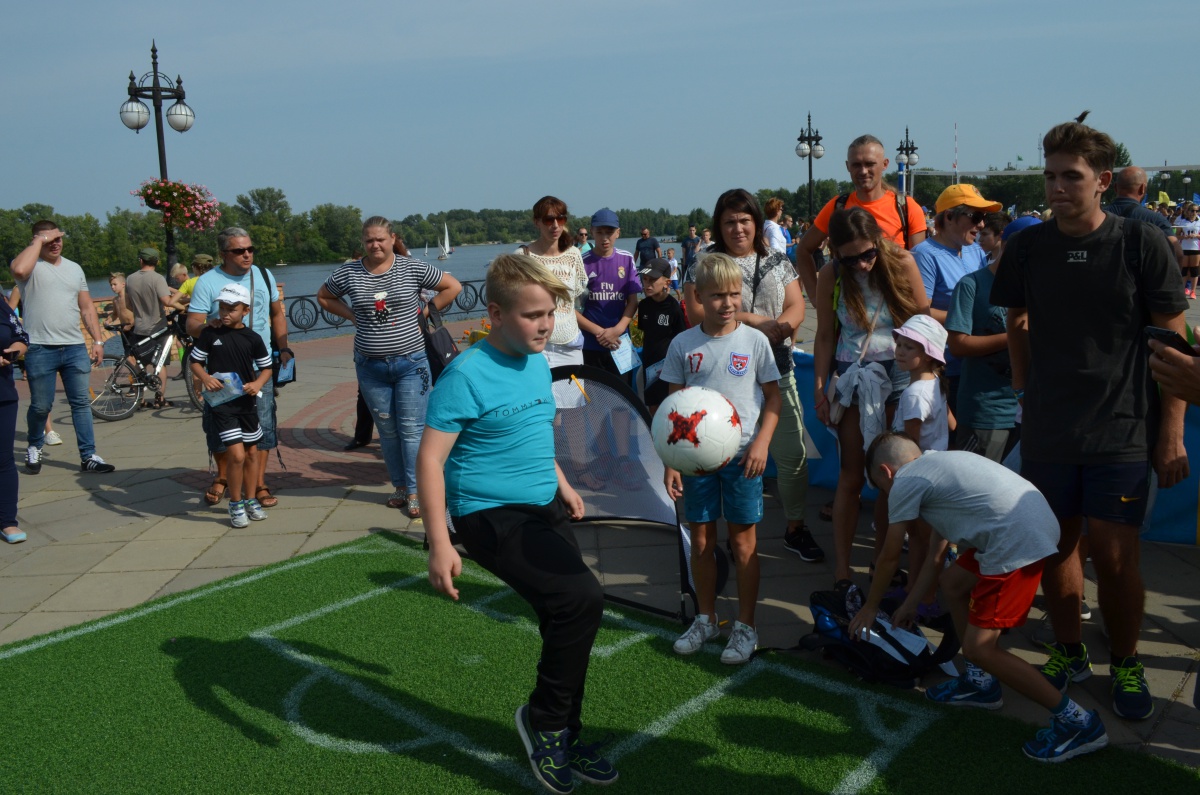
406, 107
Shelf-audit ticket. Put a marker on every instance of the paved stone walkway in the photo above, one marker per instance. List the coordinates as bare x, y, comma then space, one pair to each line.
102, 543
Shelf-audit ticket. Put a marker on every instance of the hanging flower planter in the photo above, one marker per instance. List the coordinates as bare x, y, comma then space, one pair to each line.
183, 206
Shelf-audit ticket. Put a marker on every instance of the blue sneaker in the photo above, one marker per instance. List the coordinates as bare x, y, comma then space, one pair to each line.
587, 763
1131, 695
962, 692
1063, 741
547, 754
1061, 670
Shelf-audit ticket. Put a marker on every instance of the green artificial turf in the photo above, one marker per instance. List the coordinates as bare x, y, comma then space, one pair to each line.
343, 671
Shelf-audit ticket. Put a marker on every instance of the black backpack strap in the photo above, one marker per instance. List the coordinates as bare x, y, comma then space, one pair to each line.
902, 214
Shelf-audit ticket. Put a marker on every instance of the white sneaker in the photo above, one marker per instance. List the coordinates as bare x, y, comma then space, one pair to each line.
742, 642
237, 515
52, 438
254, 511
702, 629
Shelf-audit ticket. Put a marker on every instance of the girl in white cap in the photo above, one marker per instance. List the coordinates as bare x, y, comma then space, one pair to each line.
923, 414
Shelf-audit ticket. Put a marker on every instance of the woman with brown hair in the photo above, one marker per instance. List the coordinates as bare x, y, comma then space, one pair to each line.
871, 287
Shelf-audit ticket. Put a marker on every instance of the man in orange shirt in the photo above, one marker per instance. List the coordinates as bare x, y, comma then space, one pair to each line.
866, 161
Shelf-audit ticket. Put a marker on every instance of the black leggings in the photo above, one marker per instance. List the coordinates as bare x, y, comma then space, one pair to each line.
8, 466
533, 550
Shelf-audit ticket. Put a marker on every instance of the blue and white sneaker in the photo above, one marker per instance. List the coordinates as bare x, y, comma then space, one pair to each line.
962, 692
547, 754
237, 514
254, 510
1063, 741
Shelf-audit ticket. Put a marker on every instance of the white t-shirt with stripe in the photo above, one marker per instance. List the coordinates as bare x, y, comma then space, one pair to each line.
385, 305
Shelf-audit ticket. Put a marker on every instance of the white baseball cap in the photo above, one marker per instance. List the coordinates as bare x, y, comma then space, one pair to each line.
234, 294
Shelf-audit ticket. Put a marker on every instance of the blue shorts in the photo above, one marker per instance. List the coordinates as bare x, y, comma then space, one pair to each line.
1111, 492
727, 493
900, 379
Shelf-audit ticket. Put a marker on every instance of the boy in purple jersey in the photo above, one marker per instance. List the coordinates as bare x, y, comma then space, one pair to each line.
613, 287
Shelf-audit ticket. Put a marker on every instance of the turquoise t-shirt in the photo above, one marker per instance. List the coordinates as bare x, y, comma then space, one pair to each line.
502, 409
985, 397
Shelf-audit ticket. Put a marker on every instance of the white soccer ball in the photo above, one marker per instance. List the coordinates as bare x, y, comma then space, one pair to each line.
696, 430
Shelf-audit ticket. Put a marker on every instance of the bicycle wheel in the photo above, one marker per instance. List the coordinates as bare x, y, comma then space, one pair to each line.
116, 389
194, 389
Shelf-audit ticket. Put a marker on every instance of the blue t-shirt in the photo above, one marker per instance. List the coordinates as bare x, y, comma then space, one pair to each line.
610, 280
502, 409
941, 269
208, 287
985, 396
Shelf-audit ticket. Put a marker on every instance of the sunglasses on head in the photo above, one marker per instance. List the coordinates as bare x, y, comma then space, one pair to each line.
853, 259
976, 216
237, 252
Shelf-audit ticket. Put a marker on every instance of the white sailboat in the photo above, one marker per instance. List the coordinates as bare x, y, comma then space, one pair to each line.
444, 243
427, 248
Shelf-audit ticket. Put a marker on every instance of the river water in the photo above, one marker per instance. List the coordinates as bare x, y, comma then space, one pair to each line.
467, 263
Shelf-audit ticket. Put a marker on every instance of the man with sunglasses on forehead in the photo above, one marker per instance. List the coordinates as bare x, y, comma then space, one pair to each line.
866, 161
266, 318
56, 298
950, 255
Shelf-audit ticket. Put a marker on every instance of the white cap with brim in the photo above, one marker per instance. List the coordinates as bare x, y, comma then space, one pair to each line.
928, 333
234, 294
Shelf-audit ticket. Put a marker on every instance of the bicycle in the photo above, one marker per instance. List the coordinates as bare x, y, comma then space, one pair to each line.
122, 381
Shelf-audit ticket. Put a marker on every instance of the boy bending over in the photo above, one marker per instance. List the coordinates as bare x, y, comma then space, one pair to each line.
1005, 530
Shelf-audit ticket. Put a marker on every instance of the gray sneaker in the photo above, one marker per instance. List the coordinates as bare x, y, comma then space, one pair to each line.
254, 510
742, 642
702, 629
237, 515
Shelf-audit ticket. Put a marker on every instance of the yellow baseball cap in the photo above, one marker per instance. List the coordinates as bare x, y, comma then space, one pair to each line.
964, 194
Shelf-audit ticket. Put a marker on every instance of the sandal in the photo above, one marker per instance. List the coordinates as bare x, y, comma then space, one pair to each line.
269, 501
412, 507
214, 497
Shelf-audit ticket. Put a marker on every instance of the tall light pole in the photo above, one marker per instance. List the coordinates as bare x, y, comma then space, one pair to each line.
1165, 176
156, 87
1187, 182
907, 159
809, 148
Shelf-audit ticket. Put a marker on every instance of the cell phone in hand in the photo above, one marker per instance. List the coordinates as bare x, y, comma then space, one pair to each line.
1171, 339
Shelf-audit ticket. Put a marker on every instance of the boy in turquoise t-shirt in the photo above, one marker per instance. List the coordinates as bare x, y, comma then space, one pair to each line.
487, 455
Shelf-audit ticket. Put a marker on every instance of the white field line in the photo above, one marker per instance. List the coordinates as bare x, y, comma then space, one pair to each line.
693, 706
433, 733
370, 546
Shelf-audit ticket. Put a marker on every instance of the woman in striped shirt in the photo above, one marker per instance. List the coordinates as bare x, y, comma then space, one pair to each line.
389, 349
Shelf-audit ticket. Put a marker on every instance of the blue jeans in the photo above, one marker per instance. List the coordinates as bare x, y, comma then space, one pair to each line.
42, 362
396, 389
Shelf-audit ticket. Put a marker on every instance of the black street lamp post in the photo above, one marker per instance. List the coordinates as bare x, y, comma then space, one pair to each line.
156, 87
809, 148
907, 158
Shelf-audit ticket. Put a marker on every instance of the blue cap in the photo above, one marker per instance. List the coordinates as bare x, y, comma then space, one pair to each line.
1018, 225
606, 217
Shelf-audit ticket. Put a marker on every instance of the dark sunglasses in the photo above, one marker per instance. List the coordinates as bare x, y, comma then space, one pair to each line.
237, 252
976, 216
550, 219
867, 256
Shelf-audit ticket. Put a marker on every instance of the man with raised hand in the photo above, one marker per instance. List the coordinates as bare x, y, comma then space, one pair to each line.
899, 217
1081, 289
56, 299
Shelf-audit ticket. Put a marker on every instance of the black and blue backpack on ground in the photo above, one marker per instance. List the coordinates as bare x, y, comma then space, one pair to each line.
883, 658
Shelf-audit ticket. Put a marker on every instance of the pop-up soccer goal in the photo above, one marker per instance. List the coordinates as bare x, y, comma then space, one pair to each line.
631, 534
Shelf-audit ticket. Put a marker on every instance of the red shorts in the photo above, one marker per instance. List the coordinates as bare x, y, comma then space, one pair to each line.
1001, 600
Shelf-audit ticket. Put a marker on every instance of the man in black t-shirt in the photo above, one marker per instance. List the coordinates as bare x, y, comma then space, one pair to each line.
1080, 291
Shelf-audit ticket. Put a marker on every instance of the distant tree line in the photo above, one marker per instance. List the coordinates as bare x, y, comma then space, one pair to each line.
332, 233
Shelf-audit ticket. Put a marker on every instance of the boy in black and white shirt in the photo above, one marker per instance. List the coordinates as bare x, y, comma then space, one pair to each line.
233, 348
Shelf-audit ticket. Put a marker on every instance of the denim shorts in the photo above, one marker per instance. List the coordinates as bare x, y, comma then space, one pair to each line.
1111, 492
727, 493
899, 378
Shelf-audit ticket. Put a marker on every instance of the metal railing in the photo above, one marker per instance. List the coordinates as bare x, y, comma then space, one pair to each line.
305, 315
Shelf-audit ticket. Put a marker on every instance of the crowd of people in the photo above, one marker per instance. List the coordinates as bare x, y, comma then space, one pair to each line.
946, 349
